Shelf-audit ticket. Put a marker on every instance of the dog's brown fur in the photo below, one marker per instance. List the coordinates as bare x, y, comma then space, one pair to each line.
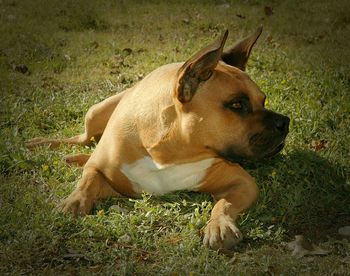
182, 127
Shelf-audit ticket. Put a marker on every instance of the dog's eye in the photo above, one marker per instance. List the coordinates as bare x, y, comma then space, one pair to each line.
236, 105
239, 105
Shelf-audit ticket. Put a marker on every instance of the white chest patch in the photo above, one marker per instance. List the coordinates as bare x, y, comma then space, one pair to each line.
146, 175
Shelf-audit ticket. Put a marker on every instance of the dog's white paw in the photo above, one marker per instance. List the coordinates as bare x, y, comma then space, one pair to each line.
221, 233
76, 204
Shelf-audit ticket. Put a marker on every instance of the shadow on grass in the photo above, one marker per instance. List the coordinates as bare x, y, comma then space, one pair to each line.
305, 192
301, 191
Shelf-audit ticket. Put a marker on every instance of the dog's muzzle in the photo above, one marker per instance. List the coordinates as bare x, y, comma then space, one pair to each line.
272, 140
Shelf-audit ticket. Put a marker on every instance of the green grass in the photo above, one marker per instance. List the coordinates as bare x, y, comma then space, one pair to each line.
74, 51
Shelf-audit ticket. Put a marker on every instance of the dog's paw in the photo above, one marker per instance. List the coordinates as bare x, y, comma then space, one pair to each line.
76, 204
221, 233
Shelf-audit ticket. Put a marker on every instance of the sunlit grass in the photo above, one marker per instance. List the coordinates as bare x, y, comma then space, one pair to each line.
78, 53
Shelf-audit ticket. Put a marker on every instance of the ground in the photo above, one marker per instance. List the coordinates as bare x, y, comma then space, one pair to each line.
57, 58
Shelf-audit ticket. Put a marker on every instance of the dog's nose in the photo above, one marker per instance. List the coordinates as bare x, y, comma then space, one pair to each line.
282, 123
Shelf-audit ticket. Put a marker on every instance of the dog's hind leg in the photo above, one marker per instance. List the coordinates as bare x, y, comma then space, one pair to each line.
95, 122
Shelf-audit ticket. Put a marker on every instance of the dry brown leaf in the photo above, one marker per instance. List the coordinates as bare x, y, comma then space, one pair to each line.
301, 247
22, 68
268, 10
319, 145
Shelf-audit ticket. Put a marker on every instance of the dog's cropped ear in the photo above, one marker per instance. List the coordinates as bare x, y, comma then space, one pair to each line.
238, 54
198, 68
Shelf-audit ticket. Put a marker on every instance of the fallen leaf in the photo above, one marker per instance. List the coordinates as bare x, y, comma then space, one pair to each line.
94, 45
174, 239
22, 68
301, 247
344, 231
319, 145
95, 268
118, 209
268, 10
346, 260
269, 38
186, 20
127, 51
124, 239
72, 254
143, 256
67, 57
114, 72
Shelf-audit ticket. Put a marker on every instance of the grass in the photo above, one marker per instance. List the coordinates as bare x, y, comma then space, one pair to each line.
77, 53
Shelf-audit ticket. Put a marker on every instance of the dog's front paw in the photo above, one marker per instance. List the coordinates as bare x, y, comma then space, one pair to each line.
221, 233
76, 204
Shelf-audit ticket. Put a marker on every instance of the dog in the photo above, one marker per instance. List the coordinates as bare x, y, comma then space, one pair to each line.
183, 127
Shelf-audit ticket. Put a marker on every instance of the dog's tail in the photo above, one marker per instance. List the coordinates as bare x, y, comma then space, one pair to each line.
77, 159
54, 143
96, 120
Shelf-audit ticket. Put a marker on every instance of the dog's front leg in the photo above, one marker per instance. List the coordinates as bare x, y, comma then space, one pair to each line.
234, 191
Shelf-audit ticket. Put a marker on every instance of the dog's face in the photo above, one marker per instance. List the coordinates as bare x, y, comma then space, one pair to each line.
223, 109
229, 108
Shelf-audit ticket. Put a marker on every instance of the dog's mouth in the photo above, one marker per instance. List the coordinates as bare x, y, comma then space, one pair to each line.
275, 150
266, 146
260, 153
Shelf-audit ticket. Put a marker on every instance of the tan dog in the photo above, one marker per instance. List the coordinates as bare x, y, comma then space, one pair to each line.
181, 128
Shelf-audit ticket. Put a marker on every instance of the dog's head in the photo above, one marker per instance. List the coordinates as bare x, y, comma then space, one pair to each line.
222, 109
